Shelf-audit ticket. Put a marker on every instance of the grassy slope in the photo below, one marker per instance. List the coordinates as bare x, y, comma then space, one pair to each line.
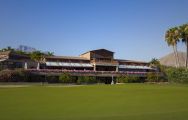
98, 102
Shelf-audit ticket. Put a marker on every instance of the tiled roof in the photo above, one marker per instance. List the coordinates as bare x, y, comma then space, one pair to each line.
5, 52
130, 61
97, 50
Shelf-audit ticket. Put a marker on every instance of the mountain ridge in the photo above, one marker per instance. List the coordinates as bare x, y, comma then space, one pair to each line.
169, 59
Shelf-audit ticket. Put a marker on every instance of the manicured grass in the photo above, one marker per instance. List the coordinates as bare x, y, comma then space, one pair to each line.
95, 102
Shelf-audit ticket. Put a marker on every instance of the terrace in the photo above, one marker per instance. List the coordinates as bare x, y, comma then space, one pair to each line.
87, 72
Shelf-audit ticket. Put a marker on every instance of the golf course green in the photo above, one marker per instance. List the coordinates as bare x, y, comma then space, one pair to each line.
95, 102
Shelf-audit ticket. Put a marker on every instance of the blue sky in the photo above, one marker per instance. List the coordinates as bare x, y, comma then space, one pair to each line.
133, 29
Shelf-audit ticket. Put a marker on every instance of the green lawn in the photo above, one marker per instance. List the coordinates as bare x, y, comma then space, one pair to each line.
95, 102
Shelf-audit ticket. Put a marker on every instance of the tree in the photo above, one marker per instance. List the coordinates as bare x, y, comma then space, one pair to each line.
184, 38
21, 52
7, 49
50, 54
155, 62
172, 38
37, 56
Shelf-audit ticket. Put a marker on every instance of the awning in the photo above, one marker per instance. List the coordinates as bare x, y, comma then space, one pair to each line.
64, 64
3, 59
134, 67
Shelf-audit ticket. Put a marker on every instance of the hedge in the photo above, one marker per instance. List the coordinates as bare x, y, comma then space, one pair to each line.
128, 79
177, 75
86, 80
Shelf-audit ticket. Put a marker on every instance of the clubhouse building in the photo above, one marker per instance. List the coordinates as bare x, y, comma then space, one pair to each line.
98, 63
94, 60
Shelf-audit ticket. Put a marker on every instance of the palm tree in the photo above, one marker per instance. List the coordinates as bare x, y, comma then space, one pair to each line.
184, 38
172, 37
50, 54
177, 39
37, 56
154, 62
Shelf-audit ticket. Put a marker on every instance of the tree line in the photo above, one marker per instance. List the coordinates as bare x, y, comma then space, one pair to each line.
35, 55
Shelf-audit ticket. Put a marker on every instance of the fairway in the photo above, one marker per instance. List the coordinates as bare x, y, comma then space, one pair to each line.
95, 102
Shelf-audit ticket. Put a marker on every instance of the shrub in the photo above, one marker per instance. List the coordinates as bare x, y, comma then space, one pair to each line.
122, 79
65, 78
5, 75
134, 79
52, 79
177, 75
152, 77
86, 80
92, 80
35, 78
1, 67
82, 79
128, 79
17, 75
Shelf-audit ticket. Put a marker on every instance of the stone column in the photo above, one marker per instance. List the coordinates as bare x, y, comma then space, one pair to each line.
112, 80
117, 68
38, 66
25, 65
94, 67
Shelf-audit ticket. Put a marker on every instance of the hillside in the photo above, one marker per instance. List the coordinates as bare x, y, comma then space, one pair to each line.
169, 60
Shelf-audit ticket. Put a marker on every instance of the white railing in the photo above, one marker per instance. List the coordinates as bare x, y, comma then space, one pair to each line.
85, 71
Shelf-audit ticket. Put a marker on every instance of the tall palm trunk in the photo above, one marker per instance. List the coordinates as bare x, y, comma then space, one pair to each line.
175, 56
186, 61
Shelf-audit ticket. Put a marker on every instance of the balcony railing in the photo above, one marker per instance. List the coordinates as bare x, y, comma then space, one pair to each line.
84, 71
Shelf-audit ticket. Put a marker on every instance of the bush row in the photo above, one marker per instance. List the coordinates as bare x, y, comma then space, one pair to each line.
155, 77
13, 76
66, 78
177, 75
128, 79
151, 77
20, 75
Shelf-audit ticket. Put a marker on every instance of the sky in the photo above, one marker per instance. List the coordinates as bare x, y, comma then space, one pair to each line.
133, 29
